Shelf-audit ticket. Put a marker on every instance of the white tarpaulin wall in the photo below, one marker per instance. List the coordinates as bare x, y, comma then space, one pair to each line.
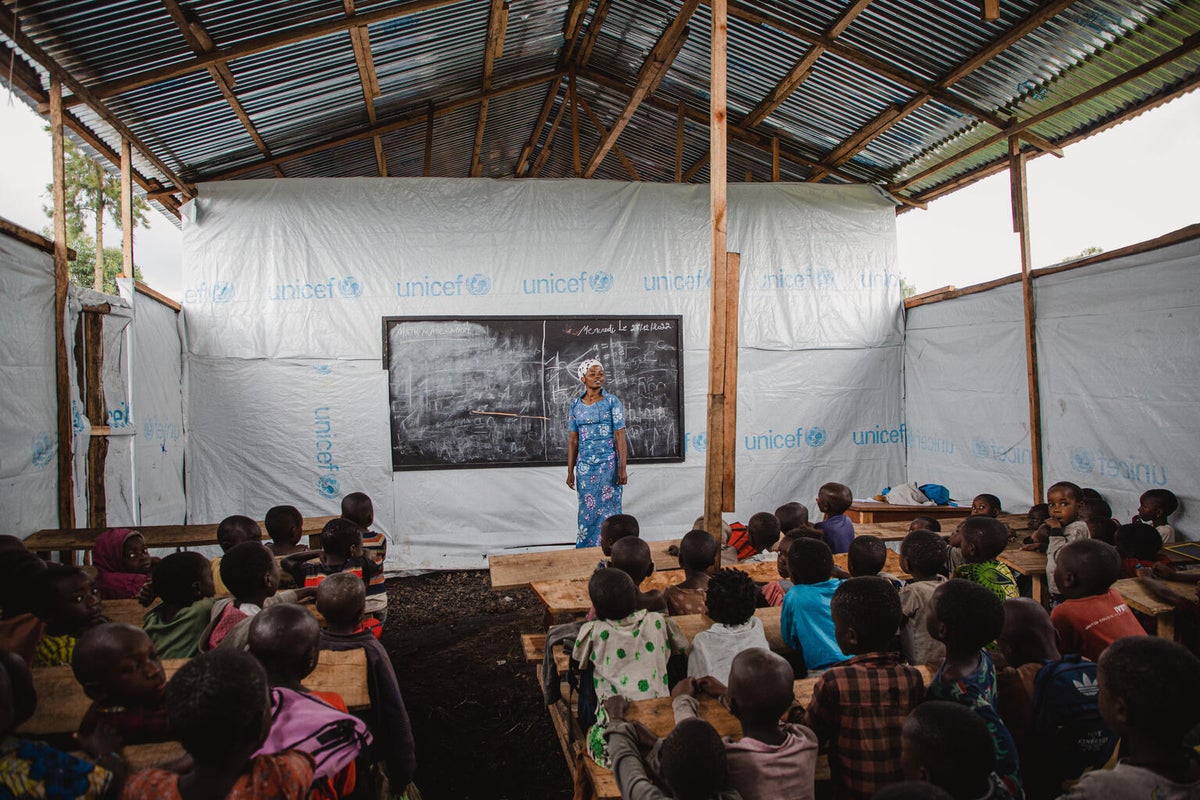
286, 283
1119, 371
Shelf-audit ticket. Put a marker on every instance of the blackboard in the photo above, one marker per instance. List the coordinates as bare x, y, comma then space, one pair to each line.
495, 391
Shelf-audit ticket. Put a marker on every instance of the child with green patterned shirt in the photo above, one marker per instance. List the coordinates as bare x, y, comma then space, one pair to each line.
631, 652
984, 538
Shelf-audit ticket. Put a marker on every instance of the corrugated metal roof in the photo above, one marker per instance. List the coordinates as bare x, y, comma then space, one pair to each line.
304, 97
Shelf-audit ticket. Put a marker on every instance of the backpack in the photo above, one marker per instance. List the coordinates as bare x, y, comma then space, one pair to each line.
1069, 735
739, 539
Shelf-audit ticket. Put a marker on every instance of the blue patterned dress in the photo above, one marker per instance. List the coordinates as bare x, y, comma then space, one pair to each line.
596, 467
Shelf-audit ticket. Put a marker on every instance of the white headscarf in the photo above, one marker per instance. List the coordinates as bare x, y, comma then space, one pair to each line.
585, 366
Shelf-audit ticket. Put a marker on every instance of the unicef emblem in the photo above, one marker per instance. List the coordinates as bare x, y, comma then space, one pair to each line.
479, 284
1082, 461
43, 450
814, 437
222, 291
980, 448
825, 278
322, 369
327, 485
600, 281
350, 287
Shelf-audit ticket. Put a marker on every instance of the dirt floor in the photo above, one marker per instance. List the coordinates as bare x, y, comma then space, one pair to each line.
481, 729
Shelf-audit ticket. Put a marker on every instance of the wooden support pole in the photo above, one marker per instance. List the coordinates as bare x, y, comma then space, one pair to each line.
62, 381
775, 159
714, 473
126, 209
1020, 211
575, 160
733, 263
680, 120
991, 13
97, 411
427, 169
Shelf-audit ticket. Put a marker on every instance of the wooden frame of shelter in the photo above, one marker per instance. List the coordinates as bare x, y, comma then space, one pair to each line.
959, 114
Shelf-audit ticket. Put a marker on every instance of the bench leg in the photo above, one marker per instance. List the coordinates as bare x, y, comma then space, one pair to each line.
1166, 625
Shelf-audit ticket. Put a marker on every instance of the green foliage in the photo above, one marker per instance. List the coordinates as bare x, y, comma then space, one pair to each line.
907, 289
1084, 253
91, 193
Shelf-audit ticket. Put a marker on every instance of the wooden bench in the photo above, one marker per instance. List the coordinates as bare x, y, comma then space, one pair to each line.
62, 702
520, 569
1141, 599
168, 536
1031, 563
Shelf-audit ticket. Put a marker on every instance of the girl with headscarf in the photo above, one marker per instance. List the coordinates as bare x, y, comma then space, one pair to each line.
596, 452
122, 563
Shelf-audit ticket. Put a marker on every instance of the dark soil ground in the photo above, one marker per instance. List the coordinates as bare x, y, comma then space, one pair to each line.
481, 728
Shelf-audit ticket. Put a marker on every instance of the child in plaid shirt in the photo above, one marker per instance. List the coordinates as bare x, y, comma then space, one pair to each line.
858, 707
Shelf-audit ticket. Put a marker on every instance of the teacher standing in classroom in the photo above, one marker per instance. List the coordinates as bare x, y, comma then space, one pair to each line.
596, 452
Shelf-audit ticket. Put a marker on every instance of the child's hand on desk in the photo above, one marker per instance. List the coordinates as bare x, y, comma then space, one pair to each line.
711, 686
687, 686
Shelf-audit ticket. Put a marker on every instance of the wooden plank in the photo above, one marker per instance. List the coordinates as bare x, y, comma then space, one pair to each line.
516, 570
870, 511
62, 702
991, 10
97, 411
775, 159
573, 104
546, 148
655, 65
680, 120
493, 46
126, 209
66, 491
1020, 211
593, 32
35, 240
733, 263
428, 163
543, 116
625, 162
142, 288
695, 168
155, 535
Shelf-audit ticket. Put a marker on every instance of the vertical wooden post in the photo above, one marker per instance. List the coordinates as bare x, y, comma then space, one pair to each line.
714, 496
733, 262
575, 160
97, 411
680, 119
66, 488
428, 141
775, 159
126, 209
748, 177
1020, 212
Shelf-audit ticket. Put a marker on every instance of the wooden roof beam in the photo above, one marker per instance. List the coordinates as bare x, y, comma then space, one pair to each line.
800, 71
417, 117
198, 39
12, 29
493, 48
546, 148
572, 22
360, 41
625, 162
656, 65
593, 31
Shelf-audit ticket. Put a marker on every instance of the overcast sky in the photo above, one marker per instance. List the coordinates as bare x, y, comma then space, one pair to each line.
1132, 183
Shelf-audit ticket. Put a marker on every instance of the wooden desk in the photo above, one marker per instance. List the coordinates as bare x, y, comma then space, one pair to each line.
62, 703
1141, 599
130, 612
1031, 563
890, 565
521, 569
872, 511
175, 536
1019, 523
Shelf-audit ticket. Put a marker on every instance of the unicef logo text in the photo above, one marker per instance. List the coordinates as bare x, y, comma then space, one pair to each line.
598, 281
799, 280
216, 292
1100, 463
428, 286
789, 440
347, 288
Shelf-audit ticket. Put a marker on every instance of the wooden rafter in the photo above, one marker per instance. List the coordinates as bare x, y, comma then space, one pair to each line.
655, 66
198, 38
360, 41
572, 23
894, 114
12, 29
543, 117
493, 48
800, 71
593, 32
546, 148
573, 105
625, 162
406, 121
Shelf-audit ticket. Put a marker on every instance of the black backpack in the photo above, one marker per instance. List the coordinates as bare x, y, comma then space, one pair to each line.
1069, 735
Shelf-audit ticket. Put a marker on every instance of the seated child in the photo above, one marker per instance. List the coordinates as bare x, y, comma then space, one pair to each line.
1143, 700
357, 508
922, 554
67, 603
628, 649
773, 758
984, 538
184, 582
985, 505
1093, 615
1035, 521
20, 628
121, 672
691, 760
753, 544
616, 528
122, 563
1064, 526
286, 641
793, 516
1138, 545
866, 698
730, 605
252, 574
774, 592
341, 599
1048, 703
925, 524
1154, 507
834, 499
34, 769
868, 556
947, 745
806, 621
632, 556
697, 551
285, 526
965, 616
231, 532
219, 709
341, 551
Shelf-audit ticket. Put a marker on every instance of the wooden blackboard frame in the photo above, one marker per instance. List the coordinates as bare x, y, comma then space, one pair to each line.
677, 454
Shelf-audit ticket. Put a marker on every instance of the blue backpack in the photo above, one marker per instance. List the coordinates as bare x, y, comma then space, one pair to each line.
1069, 735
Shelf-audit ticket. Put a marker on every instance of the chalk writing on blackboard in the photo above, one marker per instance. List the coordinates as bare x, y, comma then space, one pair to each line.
494, 391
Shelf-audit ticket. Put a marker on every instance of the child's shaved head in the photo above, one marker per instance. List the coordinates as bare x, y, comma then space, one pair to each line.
763, 530
616, 528
835, 498
697, 551
357, 508
341, 599
117, 663
235, 530
760, 686
867, 555
612, 593
986, 537
792, 515
284, 638
1027, 636
632, 556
